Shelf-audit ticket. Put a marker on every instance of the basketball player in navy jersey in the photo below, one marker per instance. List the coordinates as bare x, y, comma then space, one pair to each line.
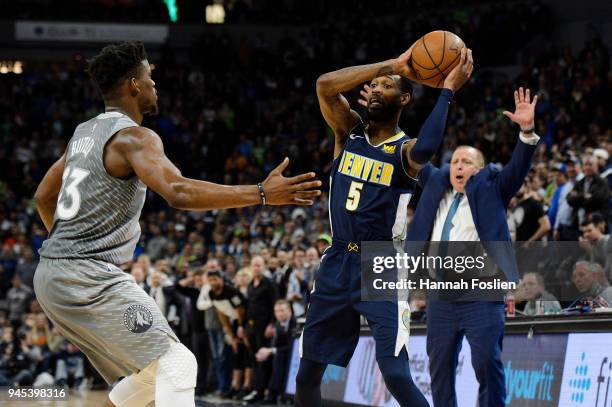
372, 178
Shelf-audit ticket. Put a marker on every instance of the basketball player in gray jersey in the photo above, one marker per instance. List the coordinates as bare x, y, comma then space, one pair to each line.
90, 201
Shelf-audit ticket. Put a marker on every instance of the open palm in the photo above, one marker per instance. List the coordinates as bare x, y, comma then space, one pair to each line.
524, 109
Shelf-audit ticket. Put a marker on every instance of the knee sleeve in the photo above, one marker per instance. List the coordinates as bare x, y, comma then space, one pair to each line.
136, 390
178, 366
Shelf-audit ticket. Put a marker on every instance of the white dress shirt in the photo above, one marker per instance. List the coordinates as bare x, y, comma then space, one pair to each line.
464, 228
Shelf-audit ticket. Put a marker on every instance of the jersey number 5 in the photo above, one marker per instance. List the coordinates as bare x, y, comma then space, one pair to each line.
352, 200
69, 200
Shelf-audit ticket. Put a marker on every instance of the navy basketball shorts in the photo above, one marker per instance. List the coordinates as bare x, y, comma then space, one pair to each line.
332, 325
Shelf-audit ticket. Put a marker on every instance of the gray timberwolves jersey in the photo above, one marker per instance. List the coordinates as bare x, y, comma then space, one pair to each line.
97, 214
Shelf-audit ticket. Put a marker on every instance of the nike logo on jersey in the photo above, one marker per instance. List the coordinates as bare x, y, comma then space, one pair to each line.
81, 146
365, 169
354, 136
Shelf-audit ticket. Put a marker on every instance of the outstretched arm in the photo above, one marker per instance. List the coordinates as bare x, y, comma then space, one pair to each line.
144, 152
511, 177
48, 191
431, 133
336, 109
420, 150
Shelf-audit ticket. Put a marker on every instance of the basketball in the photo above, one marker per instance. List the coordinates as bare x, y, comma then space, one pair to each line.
434, 55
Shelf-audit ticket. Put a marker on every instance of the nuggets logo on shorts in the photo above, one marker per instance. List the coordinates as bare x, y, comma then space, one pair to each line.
406, 318
137, 318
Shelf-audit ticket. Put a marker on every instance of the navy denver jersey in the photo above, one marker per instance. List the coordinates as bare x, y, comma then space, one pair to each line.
369, 189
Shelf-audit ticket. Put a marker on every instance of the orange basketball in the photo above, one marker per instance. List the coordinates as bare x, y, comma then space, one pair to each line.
434, 55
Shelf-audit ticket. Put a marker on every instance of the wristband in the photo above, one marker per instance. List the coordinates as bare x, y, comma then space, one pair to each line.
528, 131
262, 193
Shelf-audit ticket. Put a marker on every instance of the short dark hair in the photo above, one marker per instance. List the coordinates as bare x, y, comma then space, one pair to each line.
405, 86
115, 63
283, 301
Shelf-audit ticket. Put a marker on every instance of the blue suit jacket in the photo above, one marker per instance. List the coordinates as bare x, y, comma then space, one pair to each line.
488, 192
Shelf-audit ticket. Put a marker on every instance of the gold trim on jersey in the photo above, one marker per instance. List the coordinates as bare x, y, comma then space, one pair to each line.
389, 140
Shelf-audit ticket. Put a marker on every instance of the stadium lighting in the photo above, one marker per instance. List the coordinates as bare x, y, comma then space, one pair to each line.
172, 10
215, 14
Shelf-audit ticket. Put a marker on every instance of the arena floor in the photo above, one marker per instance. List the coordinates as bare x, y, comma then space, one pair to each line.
98, 399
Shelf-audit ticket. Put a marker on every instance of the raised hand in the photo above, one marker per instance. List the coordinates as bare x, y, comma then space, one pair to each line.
402, 66
364, 95
462, 72
296, 190
524, 109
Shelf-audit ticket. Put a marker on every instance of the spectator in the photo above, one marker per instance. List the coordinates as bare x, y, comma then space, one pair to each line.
18, 299
604, 164
538, 301
598, 247
70, 367
166, 298
156, 243
262, 295
565, 227
531, 222
219, 350
560, 178
243, 281
138, 272
589, 285
230, 305
279, 350
591, 193
297, 286
190, 287
26, 266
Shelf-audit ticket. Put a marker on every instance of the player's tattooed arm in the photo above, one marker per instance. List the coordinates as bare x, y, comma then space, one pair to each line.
47, 192
143, 151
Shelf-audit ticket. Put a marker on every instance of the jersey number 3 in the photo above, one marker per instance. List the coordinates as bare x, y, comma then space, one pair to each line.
69, 200
354, 194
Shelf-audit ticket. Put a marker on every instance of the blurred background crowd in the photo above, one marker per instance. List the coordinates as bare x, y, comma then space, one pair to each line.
232, 283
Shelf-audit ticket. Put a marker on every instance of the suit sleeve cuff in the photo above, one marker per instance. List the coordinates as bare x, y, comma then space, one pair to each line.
532, 141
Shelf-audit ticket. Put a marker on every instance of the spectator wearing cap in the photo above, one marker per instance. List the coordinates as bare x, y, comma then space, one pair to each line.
591, 193
323, 242
564, 227
560, 178
603, 160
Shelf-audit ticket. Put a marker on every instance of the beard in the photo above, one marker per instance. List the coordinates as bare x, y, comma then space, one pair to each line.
384, 112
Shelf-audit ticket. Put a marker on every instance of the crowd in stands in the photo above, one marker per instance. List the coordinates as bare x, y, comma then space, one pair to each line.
232, 283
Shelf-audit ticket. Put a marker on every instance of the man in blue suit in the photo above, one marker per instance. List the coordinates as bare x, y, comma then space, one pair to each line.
467, 201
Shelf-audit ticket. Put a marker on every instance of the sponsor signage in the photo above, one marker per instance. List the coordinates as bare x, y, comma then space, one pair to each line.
89, 32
